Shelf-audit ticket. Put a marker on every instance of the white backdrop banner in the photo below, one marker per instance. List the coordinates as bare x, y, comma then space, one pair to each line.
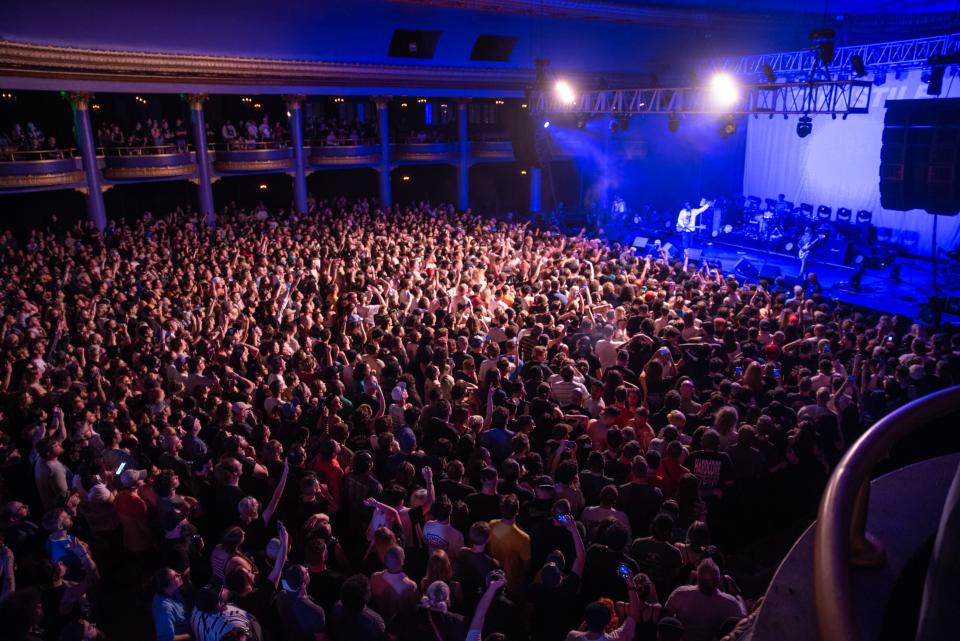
838, 165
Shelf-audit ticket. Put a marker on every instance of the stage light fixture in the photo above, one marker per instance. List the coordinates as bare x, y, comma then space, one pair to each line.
565, 92
859, 68
625, 122
546, 124
614, 126
768, 73
723, 90
728, 127
674, 123
804, 126
879, 77
581, 122
823, 44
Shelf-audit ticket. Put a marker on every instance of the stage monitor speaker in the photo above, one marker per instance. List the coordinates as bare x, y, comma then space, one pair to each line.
667, 247
640, 243
769, 272
695, 255
920, 157
834, 251
787, 283
745, 269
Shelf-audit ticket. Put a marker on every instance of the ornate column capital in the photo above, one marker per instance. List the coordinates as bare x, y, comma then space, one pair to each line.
463, 102
81, 99
196, 100
382, 101
294, 100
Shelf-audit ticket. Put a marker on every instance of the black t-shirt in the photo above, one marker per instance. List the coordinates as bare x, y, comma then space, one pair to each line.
471, 571
365, 625
641, 502
714, 469
556, 610
600, 578
660, 561
324, 587
421, 623
483, 507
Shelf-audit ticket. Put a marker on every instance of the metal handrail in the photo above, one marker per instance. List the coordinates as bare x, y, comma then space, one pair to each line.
429, 140
344, 141
147, 150
16, 155
244, 145
841, 538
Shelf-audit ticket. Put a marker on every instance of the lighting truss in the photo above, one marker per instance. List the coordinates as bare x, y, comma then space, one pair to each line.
837, 97
901, 54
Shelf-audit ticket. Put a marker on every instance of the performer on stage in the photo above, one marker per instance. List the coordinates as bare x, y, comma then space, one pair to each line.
808, 242
687, 221
619, 207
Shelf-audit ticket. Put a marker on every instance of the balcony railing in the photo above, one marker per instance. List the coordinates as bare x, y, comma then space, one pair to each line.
145, 150
841, 537
343, 141
248, 145
16, 155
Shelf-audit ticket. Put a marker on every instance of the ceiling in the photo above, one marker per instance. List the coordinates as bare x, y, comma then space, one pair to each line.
615, 36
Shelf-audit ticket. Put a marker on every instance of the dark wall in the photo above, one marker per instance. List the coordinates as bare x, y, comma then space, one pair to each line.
650, 165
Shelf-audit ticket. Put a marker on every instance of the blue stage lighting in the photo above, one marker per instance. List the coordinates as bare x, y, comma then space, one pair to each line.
546, 123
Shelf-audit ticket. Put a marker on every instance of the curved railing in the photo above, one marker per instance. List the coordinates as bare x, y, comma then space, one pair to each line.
841, 537
16, 155
342, 141
145, 150
245, 145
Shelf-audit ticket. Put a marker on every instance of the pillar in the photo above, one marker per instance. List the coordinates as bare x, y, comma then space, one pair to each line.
382, 121
205, 186
88, 154
535, 184
463, 168
295, 109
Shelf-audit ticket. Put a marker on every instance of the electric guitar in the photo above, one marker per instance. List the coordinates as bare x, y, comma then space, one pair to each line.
807, 248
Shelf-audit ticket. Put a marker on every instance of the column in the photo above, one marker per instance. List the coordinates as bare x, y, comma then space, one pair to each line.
535, 184
463, 169
295, 109
88, 153
384, 152
205, 187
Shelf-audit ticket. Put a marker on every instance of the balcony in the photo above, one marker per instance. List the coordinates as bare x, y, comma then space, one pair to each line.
344, 153
491, 149
425, 149
251, 157
135, 163
25, 170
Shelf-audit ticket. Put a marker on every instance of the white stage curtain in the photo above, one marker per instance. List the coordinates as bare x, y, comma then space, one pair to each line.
838, 165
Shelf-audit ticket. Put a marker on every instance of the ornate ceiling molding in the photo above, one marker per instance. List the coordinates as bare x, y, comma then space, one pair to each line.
44, 61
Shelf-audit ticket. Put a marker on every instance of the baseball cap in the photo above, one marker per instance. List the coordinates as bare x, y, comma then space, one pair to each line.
129, 478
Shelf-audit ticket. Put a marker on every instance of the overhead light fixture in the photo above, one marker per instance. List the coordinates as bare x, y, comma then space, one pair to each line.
938, 64
804, 126
674, 123
768, 73
879, 77
724, 92
859, 69
523, 106
263, 186
581, 122
546, 124
624, 122
406, 179
523, 172
728, 127
614, 126
565, 92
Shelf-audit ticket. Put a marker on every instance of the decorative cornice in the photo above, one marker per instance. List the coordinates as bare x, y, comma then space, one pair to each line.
41, 180
44, 61
149, 172
253, 165
321, 161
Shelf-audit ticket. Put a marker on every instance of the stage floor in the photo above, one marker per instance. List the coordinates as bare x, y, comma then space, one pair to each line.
879, 289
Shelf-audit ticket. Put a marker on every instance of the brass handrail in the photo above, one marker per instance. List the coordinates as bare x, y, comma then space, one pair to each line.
841, 539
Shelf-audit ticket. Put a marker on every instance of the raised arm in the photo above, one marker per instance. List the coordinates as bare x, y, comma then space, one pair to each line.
580, 554
281, 560
277, 493
476, 624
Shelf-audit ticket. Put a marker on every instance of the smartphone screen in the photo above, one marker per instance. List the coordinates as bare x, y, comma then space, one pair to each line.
120, 468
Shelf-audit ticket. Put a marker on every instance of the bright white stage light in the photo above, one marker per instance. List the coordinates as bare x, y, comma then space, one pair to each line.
565, 92
724, 91
546, 124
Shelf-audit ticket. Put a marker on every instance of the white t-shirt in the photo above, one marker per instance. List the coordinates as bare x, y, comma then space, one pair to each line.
442, 536
702, 614
623, 633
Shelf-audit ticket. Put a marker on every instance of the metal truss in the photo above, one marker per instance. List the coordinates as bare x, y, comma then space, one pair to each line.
838, 97
902, 54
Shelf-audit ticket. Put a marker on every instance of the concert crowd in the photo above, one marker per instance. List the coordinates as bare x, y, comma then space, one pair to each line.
417, 424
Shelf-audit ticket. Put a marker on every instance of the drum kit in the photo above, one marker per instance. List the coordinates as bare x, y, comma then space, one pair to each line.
775, 219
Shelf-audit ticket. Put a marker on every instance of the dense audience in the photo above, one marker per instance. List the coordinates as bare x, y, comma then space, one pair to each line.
417, 424
26, 137
333, 131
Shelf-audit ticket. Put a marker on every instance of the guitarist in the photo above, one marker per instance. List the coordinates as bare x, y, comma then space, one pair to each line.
687, 221
809, 242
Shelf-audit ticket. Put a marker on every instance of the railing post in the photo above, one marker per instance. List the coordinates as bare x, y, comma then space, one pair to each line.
383, 123
865, 550
205, 186
295, 110
463, 168
88, 152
